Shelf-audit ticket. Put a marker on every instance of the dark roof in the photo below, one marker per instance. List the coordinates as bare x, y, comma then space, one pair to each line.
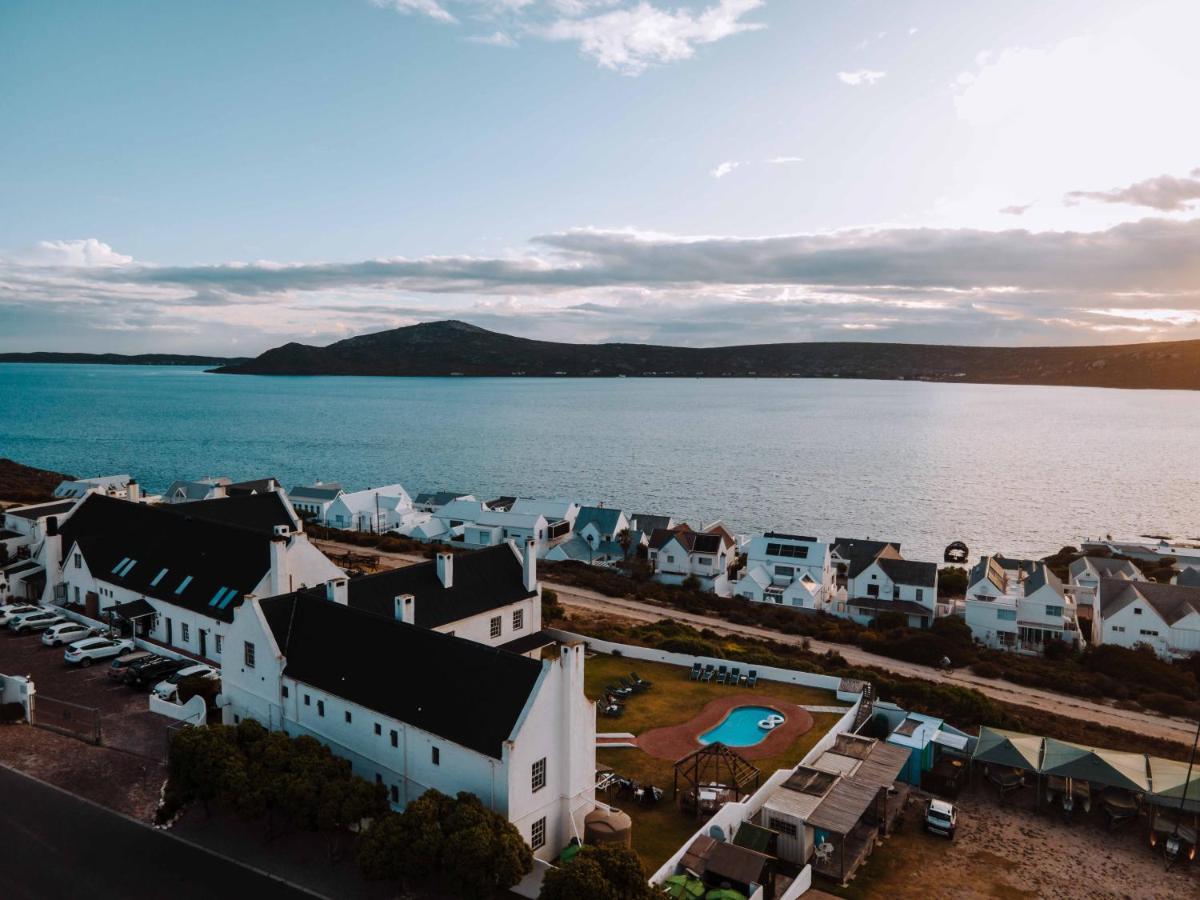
5, 534
860, 553
254, 486
1171, 601
907, 571
436, 498
875, 604
844, 806
22, 565
255, 512
736, 864
534, 641
483, 580
214, 555
691, 541
42, 509
605, 518
647, 523
461, 690
1188, 578
327, 491
134, 609
783, 535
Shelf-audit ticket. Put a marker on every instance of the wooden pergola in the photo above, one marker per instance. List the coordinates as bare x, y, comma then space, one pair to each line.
718, 769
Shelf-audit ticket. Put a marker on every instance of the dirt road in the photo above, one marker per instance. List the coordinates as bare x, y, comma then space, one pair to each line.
1048, 701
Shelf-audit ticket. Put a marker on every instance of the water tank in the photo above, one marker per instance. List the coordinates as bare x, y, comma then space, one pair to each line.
604, 826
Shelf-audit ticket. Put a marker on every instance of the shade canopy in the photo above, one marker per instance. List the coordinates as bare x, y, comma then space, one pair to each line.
1171, 784
1008, 748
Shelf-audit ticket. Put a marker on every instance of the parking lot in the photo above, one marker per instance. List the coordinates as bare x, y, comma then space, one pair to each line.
125, 719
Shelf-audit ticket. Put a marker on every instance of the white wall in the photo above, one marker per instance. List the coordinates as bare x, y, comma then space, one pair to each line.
17, 689
479, 628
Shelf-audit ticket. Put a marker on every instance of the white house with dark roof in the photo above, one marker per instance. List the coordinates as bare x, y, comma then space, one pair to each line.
1165, 617
596, 537
174, 575
376, 510
211, 487
414, 709
23, 534
428, 501
1014, 604
1187, 577
888, 584
1086, 573
681, 553
787, 570
491, 528
112, 485
312, 501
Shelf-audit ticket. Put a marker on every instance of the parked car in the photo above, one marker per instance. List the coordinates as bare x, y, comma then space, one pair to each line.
67, 633
85, 652
120, 665
10, 610
152, 671
169, 686
941, 818
25, 623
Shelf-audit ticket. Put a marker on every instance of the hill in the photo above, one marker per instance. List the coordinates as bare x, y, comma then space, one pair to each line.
119, 359
25, 484
456, 348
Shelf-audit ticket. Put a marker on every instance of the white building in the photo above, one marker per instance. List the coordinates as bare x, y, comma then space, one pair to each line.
387, 508
1014, 604
448, 521
787, 570
596, 537
208, 488
491, 528
1163, 616
431, 500
174, 575
312, 501
1087, 572
415, 709
22, 534
682, 553
888, 584
112, 485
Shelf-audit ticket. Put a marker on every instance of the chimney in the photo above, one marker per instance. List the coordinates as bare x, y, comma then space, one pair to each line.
52, 559
280, 578
445, 569
406, 609
529, 566
337, 591
135, 491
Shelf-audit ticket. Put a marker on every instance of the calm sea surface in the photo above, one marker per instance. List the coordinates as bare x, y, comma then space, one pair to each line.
1011, 469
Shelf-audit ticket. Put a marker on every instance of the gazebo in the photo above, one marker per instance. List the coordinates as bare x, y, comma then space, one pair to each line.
712, 776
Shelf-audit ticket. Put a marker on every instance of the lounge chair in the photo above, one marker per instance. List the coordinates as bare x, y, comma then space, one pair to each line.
722, 674
640, 682
735, 675
696, 670
617, 691
752, 679
633, 686
612, 710
708, 673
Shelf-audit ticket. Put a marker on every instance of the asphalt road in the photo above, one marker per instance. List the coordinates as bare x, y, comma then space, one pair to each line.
56, 845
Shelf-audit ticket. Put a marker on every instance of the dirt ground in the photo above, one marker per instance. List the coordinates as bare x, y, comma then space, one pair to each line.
1011, 850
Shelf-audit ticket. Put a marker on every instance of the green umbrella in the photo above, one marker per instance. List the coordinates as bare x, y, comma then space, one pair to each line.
569, 852
684, 886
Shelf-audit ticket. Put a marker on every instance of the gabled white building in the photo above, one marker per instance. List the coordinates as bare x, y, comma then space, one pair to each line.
1014, 604
414, 709
596, 537
112, 485
1165, 617
208, 488
312, 501
429, 501
903, 586
787, 570
491, 528
1087, 572
554, 510
448, 522
376, 510
682, 553
173, 575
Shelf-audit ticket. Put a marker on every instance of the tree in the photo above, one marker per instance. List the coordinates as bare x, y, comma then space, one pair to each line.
484, 853
625, 539
952, 581
889, 620
205, 764
610, 872
953, 628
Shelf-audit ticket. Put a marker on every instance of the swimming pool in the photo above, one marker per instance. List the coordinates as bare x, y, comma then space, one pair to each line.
740, 727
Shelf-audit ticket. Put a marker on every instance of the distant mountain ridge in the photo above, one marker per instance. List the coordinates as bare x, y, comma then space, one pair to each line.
120, 359
457, 348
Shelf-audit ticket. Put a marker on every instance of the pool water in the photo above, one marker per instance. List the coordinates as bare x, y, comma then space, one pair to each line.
740, 727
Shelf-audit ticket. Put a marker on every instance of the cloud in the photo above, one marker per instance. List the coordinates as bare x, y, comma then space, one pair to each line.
495, 39
1016, 210
430, 8
84, 253
861, 76
1166, 193
723, 169
783, 160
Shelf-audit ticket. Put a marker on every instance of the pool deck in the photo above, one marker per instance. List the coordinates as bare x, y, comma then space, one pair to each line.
675, 741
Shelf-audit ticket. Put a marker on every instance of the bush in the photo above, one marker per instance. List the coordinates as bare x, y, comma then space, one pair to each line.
952, 581
985, 669
691, 583
598, 873
1169, 704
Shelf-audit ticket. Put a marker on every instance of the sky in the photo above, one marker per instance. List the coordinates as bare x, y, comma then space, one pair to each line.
227, 176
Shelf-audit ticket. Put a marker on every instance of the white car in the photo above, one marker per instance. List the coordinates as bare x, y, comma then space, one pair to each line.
85, 652
169, 686
66, 633
941, 818
8, 611
38, 620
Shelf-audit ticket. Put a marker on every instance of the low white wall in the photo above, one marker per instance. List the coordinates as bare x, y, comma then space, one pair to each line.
649, 654
194, 712
531, 885
17, 689
800, 885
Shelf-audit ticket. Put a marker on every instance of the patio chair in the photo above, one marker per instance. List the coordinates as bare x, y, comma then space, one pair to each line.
612, 710
708, 673
735, 675
722, 674
697, 668
617, 691
752, 680
638, 681
625, 682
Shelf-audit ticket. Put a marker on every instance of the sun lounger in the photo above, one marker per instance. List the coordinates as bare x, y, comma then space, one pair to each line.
708, 673
735, 675
696, 670
640, 682
618, 691
752, 680
722, 674
633, 686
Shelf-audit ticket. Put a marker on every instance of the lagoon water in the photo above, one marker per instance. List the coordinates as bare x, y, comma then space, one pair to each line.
1020, 470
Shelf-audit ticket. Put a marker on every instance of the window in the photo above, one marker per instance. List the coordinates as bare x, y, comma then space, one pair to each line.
495, 626
157, 578
395, 738
787, 551
704, 560
378, 728
283, 690
872, 590
307, 700
537, 834
920, 595
349, 718
436, 756
395, 792
1149, 632
78, 561
248, 654
1053, 611
76, 595
785, 571
1137, 610
320, 707
518, 619
220, 641
788, 828
184, 632
670, 558
1006, 615
378, 778
538, 780
1119, 628
895, 592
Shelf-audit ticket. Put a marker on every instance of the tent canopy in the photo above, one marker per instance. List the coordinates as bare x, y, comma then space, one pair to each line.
1108, 767
1169, 779
1008, 748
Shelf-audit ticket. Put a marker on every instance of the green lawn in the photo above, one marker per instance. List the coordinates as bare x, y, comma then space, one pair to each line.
659, 831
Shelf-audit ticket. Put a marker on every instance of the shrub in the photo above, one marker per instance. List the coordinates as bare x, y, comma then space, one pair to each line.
952, 581
985, 669
691, 583
1169, 704
598, 873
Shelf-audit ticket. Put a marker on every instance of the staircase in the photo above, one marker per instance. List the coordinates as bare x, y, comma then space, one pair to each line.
866, 708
